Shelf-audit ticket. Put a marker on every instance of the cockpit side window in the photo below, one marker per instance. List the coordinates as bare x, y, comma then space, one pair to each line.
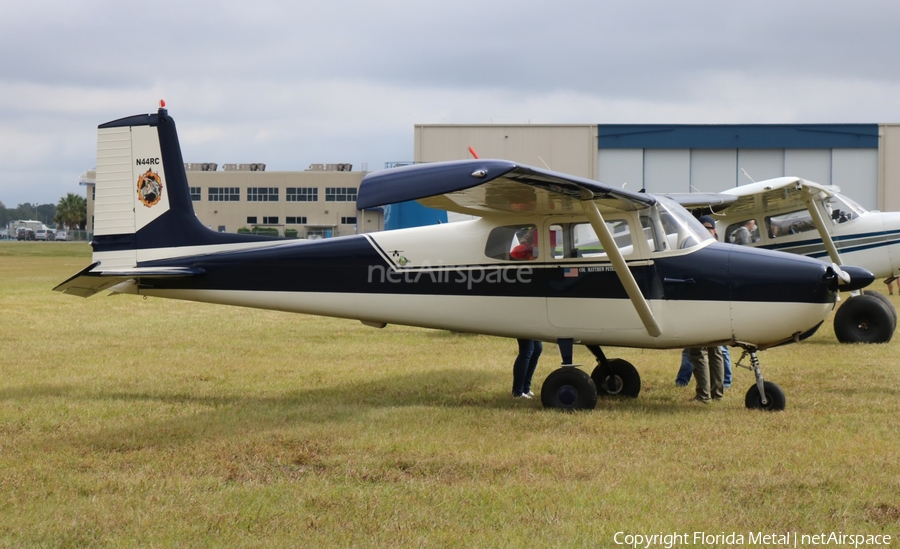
790, 223
652, 233
575, 240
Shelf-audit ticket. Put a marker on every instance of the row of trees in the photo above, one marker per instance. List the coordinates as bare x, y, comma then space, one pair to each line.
70, 212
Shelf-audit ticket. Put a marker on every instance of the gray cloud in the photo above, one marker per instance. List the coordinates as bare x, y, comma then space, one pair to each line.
290, 84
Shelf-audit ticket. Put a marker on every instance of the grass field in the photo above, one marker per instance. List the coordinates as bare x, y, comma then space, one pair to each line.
132, 422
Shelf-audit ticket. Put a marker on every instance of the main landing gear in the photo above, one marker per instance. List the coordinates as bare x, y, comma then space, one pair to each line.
765, 395
866, 318
569, 388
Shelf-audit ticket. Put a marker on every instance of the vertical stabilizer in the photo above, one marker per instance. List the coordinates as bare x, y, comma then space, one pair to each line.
142, 208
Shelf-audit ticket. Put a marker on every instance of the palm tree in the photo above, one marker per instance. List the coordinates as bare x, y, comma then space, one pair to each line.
71, 212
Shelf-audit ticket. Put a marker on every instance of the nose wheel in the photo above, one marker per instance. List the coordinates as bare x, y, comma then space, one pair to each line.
764, 395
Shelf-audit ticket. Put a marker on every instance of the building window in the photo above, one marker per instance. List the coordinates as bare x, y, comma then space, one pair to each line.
270, 220
299, 220
224, 194
262, 194
348, 220
301, 194
251, 220
340, 194
221, 228
195, 194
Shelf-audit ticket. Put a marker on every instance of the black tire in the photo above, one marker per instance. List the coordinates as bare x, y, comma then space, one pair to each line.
569, 389
885, 301
619, 378
863, 319
774, 398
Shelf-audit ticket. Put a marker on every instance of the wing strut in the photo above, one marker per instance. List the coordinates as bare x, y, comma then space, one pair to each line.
819, 221
622, 270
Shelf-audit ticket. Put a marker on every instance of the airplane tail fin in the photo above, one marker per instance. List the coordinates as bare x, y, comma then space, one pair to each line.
142, 204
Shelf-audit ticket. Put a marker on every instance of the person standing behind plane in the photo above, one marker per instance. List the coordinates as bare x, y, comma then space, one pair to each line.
706, 363
687, 368
523, 369
890, 281
744, 234
709, 372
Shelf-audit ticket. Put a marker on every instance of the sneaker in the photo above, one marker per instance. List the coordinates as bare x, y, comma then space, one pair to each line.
521, 395
680, 384
528, 394
698, 398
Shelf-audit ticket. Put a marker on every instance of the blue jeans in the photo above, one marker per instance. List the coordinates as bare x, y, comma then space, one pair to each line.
687, 369
525, 365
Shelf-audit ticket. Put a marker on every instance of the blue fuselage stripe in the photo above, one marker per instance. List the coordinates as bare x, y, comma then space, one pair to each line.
847, 243
353, 265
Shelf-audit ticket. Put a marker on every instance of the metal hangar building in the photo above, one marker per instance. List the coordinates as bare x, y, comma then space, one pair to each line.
862, 159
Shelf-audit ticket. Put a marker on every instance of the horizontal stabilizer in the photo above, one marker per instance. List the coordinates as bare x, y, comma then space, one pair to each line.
89, 282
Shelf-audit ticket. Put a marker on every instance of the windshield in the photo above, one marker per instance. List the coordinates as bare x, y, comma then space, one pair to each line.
682, 229
841, 208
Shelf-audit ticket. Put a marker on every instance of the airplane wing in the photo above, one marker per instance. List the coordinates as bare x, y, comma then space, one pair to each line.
501, 187
779, 194
480, 187
716, 201
89, 282
760, 196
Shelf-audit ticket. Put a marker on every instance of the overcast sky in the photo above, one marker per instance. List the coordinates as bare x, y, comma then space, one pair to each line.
299, 82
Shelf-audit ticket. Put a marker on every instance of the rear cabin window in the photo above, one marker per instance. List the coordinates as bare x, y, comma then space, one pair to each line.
744, 232
513, 243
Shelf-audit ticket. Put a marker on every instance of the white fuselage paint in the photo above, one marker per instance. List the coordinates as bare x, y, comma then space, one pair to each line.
723, 322
459, 248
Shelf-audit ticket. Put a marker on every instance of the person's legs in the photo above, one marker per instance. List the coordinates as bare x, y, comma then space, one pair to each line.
726, 358
701, 372
520, 366
716, 372
536, 351
686, 370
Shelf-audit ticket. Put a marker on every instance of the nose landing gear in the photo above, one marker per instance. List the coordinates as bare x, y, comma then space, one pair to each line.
764, 395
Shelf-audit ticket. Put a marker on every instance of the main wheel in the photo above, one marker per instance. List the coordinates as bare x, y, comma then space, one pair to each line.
863, 319
774, 398
884, 301
618, 378
569, 389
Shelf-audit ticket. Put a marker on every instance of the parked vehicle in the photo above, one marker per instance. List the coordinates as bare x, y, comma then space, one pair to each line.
62, 235
24, 233
44, 234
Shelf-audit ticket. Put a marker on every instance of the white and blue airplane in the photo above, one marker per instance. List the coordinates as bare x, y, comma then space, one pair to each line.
550, 257
795, 215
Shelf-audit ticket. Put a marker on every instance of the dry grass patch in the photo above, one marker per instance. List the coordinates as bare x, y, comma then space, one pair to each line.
131, 422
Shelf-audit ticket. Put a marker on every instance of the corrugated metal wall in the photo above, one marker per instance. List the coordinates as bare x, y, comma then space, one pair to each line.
863, 159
